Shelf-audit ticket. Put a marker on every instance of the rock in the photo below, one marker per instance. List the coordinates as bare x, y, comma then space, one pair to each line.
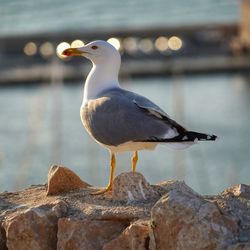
169, 185
179, 218
241, 190
184, 220
235, 202
239, 246
62, 179
2, 238
136, 236
132, 187
75, 234
34, 228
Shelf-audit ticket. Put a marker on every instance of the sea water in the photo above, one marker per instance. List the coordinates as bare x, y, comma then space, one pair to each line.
40, 126
31, 16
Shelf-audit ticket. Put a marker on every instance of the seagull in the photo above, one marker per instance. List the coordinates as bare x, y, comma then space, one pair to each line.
121, 120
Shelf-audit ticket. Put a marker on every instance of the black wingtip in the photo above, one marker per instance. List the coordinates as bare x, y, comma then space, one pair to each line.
196, 136
214, 137
210, 138
189, 136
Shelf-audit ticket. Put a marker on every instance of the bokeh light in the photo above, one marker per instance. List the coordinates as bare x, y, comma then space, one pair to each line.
146, 45
161, 44
130, 45
46, 49
115, 42
30, 49
174, 43
60, 48
77, 44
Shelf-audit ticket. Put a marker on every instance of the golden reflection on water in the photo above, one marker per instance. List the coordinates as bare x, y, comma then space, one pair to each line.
30, 49
174, 43
46, 49
130, 45
60, 48
161, 43
77, 44
115, 42
146, 46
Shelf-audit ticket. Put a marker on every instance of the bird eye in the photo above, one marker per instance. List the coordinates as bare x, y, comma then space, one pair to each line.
94, 47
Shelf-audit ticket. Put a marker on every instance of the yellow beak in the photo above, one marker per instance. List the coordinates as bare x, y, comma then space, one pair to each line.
72, 52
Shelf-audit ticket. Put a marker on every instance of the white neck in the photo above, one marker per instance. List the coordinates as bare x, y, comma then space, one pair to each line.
100, 78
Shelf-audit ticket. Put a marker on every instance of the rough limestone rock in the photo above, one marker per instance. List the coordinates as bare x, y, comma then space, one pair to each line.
241, 190
34, 228
167, 186
239, 246
183, 220
132, 187
2, 239
136, 236
235, 202
62, 179
169, 215
74, 234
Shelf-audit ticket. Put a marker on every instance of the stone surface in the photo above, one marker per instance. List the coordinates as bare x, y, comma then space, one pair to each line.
179, 218
239, 246
167, 186
74, 234
2, 239
132, 187
62, 179
235, 202
136, 236
241, 190
34, 228
183, 220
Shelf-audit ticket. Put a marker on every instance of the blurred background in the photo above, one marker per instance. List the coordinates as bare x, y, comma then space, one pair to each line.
191, 57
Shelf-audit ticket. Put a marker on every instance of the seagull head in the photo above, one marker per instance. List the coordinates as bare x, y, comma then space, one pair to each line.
99, 52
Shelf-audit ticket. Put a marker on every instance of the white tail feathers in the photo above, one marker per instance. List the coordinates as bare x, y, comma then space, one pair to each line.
178, 145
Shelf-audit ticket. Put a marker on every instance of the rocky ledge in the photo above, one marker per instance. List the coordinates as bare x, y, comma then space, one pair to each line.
135, 215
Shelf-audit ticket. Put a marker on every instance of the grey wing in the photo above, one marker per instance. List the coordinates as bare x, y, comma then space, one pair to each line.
145, 103
155, 110
115, 118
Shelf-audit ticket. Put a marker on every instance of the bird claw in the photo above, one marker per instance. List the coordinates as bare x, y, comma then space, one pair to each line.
102, 191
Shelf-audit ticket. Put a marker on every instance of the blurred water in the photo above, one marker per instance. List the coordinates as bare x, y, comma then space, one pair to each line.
28, 16
40, 126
